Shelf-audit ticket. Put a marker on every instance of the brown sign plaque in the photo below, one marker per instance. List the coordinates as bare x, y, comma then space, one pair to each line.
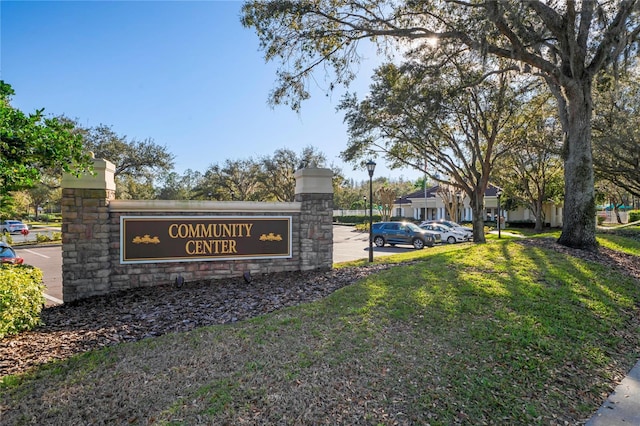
154, 239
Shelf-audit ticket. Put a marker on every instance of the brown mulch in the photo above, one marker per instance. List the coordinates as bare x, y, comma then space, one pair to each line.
148, 312
142, 313
626, 263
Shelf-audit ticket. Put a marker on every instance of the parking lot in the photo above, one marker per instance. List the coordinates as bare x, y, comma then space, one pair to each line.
49, 259
348, 245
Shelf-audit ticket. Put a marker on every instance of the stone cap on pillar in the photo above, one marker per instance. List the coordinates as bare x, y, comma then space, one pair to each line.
314, 181
101, 178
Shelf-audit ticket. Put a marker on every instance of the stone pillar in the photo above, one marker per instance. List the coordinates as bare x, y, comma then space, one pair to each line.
86, 264
314, 190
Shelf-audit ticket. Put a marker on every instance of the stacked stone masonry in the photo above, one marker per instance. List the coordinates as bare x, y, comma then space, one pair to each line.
91, 234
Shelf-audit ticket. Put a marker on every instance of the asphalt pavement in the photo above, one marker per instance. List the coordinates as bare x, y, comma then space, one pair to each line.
349, 244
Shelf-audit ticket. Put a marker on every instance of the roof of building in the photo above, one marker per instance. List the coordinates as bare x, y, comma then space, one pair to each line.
432, 192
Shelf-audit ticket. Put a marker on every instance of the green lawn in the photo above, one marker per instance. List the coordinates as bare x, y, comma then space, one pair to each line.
625, 244
499, 333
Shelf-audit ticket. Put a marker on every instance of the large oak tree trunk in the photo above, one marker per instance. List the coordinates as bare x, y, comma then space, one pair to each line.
579, 223
539, 214
477, 208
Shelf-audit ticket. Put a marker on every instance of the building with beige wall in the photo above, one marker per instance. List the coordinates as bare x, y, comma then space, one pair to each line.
428, 201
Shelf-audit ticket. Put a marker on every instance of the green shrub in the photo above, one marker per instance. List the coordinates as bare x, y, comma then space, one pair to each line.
21, 298
49, 217
518, 223
356, 219
42, 238
362, 227
601, 220
634, 215
405, 219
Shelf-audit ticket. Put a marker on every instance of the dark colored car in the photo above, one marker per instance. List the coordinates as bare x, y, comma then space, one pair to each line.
393, 233
8, 255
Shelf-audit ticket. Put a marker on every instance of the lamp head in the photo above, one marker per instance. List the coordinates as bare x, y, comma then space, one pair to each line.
371, 166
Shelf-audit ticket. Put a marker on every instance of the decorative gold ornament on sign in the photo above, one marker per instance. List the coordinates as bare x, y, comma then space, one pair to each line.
147, 239
270, 237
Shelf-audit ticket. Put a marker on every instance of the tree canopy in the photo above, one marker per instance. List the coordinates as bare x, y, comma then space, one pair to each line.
277, 171
33, 143
138, 163
530, 175
453, 129
617, 131
564, 43
269, 178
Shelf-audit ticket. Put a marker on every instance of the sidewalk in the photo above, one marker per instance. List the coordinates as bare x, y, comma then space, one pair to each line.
623, 405
506, 233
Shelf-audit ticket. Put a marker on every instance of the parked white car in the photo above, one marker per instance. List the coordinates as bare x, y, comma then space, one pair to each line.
447, 234
12, 227
455, 226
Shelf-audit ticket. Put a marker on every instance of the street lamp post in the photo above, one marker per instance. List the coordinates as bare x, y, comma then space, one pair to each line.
498, 194
371, 166
424, 182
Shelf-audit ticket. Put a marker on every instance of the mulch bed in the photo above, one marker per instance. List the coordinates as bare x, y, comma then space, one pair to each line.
625, 263
142, 313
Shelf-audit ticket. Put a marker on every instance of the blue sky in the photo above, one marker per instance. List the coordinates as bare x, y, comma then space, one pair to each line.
185, 74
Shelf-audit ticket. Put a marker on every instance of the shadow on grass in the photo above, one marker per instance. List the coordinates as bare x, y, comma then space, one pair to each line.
514, 321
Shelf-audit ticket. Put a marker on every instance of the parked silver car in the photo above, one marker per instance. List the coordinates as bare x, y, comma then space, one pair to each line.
450, 235
453, 225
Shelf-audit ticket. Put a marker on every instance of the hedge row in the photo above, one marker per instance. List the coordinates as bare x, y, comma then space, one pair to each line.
634, 215
351, 220
21, 298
